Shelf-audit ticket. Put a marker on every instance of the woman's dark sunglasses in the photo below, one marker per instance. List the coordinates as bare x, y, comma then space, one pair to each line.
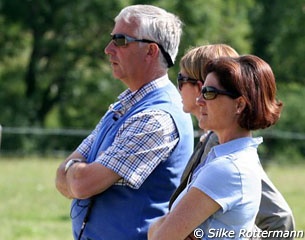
182, 79
210, 93
122, 40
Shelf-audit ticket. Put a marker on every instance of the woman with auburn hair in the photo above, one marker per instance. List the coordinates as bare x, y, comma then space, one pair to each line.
224, 192
274, 212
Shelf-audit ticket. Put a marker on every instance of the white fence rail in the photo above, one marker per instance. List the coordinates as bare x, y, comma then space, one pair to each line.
267, 134
45, 131
83, 132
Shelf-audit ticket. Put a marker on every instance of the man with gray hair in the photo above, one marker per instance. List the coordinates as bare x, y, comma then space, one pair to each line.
122, 175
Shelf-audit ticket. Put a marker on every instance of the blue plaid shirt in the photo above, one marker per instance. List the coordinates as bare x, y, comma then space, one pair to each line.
142, 142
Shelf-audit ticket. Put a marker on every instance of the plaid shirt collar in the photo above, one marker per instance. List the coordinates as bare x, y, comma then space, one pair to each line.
129, 98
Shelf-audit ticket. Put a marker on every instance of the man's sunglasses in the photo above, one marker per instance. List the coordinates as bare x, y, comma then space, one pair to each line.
182, 80
122, 40
210, 93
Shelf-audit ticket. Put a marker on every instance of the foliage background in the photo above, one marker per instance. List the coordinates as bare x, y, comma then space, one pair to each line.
54, 73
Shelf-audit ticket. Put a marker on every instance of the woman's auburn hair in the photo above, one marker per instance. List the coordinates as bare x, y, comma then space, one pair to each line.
251, 78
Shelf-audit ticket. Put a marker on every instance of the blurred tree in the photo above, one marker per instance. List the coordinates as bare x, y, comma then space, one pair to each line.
53, 72
53, 54
215, 21
279, 37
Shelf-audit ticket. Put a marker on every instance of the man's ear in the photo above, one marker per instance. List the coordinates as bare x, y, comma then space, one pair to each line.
153, 49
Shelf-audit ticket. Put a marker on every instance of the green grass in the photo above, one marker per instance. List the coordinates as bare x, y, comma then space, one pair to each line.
32, 209
290, 180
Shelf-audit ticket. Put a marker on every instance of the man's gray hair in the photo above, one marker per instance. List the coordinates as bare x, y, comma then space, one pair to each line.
156, 24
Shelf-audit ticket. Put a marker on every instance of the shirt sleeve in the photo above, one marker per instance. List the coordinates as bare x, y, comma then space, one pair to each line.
221, 181
274, 212
142, 142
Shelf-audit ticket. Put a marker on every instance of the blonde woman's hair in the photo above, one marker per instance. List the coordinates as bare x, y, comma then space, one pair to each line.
194, 61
